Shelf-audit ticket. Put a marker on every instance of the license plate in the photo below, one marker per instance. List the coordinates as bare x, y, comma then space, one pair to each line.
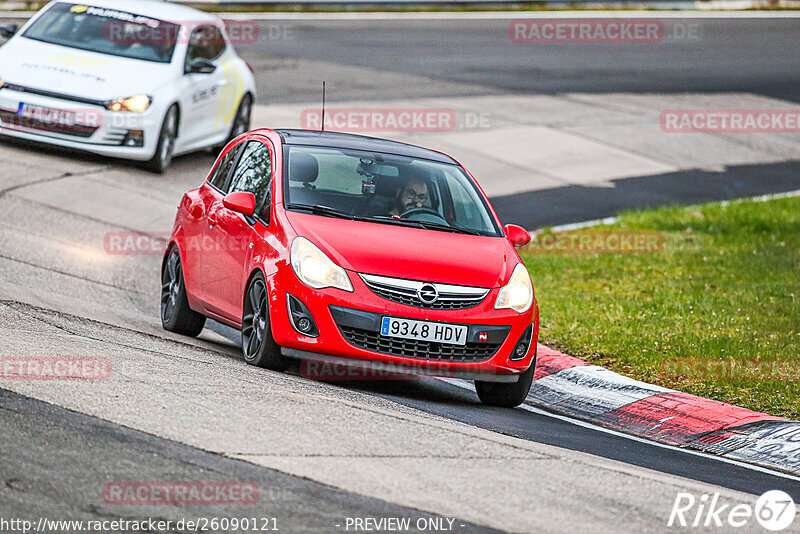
50, 115
452, 334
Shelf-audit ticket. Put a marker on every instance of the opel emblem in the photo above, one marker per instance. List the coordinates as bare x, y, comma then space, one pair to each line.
428, 294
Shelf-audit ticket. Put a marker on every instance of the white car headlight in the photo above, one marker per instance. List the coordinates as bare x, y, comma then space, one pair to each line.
315, 269
137, 104
517, 294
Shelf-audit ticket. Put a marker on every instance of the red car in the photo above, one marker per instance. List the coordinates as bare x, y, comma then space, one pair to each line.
354, 249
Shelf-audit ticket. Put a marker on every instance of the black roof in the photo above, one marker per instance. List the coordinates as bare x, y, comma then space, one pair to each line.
359, 142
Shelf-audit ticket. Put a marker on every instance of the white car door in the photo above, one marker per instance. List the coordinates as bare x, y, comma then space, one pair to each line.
202, 87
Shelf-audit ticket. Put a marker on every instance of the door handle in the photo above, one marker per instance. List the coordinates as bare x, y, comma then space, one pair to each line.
212, 221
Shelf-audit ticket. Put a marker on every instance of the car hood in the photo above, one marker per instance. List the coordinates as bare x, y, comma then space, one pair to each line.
77, 72
410, 253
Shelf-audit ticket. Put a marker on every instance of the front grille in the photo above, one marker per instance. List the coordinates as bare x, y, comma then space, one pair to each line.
421, 350
77, 130
53, 94
405, 292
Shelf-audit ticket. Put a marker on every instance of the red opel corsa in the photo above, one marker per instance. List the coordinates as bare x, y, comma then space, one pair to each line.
355, 250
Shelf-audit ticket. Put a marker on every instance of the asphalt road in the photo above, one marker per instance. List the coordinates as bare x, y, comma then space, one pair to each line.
63, 460
404, 59
179, 409
459, 403
465, 56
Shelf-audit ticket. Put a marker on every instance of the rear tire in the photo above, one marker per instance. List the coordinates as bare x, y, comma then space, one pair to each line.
258, 345
176, 315
506, 395
165, 149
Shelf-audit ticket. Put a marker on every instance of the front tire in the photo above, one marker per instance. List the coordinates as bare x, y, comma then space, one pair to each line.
258, 345
176, 315
506, 395
165, 149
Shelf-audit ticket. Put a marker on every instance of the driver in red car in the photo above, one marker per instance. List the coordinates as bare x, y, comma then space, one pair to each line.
413, 195
411, 192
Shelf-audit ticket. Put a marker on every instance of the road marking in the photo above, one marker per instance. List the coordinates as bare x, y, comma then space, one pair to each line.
585, 424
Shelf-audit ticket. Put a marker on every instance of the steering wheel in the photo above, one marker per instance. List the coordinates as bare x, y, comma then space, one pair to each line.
409, 214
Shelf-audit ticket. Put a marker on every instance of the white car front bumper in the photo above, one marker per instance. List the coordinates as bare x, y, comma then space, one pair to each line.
97, 129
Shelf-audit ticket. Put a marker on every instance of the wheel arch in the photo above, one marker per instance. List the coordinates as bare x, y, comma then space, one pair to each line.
190, 295
272, 309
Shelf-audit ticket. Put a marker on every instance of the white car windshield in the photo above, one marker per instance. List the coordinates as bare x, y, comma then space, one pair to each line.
385, 188
107, 31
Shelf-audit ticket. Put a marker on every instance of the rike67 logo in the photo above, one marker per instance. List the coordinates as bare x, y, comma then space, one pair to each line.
774, 510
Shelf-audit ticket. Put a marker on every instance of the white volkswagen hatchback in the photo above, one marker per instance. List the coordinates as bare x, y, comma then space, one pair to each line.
146, 83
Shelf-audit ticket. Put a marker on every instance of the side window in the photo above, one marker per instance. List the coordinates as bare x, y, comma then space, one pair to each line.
205, 42
254, 174
221, 172
464, 205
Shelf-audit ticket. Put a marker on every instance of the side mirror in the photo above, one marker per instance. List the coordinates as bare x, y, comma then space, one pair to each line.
201, 66
243, 202
8, 30
518, 235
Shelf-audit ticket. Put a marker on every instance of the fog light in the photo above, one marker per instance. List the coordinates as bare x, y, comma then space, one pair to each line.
523, 344
300, 317
134, 138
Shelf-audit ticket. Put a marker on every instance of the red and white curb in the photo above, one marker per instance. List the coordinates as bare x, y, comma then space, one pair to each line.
572, 387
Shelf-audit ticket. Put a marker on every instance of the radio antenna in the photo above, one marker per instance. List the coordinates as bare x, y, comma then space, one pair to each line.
323, 105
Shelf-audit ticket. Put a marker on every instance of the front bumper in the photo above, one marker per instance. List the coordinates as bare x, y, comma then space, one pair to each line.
349, 328
97, 130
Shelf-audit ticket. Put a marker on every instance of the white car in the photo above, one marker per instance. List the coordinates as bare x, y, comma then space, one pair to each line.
146, 83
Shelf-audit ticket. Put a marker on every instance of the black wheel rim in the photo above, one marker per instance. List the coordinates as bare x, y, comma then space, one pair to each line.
254, 321
168, 144
171, 281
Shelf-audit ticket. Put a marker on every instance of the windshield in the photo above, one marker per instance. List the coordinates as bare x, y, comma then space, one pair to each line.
385, 188
107, 31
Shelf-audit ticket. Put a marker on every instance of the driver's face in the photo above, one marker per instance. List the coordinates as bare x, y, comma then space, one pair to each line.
413, 195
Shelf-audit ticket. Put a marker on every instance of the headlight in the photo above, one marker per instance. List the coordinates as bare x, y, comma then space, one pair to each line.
315, 269
517, 294
137, 104
2, 83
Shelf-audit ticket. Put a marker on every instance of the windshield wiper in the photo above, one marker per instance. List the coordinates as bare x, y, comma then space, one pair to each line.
323, 210
447, 228
428, 225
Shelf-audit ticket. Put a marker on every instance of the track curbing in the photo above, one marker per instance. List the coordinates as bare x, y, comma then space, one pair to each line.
573, 387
